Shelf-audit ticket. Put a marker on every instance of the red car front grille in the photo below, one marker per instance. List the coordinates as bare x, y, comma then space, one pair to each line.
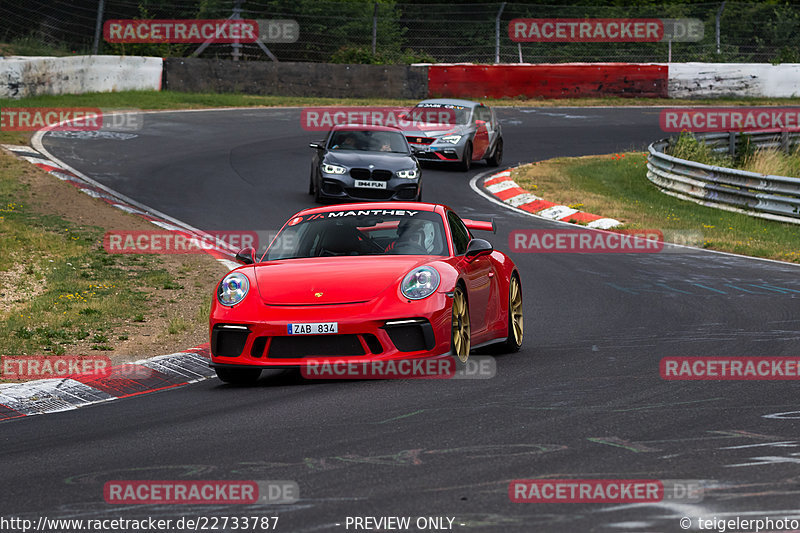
290, 347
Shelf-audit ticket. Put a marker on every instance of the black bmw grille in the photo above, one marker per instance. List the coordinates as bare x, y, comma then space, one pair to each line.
360, 173
367, 174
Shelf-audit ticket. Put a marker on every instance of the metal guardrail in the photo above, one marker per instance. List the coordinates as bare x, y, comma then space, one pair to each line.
766, 196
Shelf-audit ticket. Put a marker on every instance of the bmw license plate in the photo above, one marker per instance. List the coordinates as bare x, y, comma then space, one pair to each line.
366, 184
313, 328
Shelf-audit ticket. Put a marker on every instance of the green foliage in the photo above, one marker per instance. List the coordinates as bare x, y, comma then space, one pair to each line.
363, 55
147, 49
748, 155
687, 146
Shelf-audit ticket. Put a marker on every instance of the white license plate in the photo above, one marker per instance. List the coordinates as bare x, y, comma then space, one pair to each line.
313, 328
365, 184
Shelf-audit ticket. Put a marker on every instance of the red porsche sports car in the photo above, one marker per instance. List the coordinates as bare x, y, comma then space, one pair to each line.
365, 282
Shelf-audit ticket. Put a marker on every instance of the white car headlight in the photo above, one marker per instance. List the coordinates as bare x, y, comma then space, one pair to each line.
333, 169
410, 173
233, 289
452, 139
420, 283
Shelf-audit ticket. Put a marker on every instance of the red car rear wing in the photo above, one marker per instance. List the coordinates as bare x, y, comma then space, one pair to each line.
480, 225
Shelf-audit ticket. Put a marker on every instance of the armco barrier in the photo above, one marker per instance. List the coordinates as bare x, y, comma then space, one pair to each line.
772, 197
548, 81
21, 77
295, 79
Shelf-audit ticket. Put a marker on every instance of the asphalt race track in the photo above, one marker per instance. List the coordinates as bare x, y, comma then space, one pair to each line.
583, 399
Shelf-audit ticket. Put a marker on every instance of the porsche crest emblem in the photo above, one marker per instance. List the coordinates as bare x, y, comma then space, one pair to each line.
318, 294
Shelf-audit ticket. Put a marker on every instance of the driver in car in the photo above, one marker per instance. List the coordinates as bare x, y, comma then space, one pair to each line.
413, 236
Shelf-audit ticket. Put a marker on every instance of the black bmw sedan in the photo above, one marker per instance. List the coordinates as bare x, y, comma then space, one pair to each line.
363, 163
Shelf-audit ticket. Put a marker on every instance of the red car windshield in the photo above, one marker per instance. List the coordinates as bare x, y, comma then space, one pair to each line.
360, 232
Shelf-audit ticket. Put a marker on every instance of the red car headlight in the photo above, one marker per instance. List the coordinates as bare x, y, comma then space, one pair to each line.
420, 283
233, 289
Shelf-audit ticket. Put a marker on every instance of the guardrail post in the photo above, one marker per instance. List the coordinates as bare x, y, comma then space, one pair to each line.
732, 143
785, 141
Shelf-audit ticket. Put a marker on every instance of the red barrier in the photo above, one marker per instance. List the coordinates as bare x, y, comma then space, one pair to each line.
566, 80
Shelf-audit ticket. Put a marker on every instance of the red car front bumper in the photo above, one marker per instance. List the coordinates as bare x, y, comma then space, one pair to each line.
253, 334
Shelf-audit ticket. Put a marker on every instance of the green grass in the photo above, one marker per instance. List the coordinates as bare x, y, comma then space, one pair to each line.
61, 286
617, 187
177, 325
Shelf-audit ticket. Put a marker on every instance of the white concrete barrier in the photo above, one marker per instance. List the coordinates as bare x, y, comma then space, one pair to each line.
30, 76
688, 80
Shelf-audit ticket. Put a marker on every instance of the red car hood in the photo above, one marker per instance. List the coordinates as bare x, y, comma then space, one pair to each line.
331, 280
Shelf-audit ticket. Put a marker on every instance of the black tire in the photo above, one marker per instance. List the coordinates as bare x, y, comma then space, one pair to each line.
466, 159
311, 182
238, 376
497, 156
317, 195
515, 323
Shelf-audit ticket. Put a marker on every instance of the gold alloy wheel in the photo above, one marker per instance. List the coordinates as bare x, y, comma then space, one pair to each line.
515, 310
460, 336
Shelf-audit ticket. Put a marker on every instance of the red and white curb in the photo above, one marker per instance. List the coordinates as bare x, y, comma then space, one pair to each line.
128, 379
503, 188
